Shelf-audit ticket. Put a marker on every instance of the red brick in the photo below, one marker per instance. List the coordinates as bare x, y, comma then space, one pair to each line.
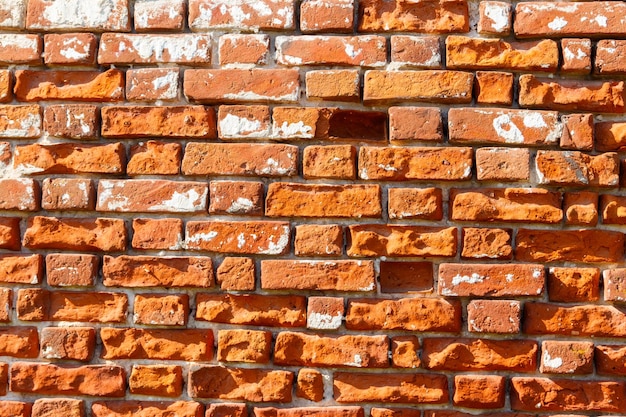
21, 269
70, 158
430, 17
129, 49
159, 196
479, 391
10, 233
401, 277
237, 345
68, 194
576, 56
236, 197
244, 122
612, 208
589, 96
527, 205
152, 84
558, 357
406, 388
159, 15
502, 164
76, 15
610, 136
333, 85
415, 163
494, 88
415, 124
543, 394
32, 304
161, 309
242, 85
490, 280
404, 352
503, 126
610, 359
578, 132
240, 159
606, 62
335, 16
73, 343
463, 52
573, 284
309, 385
244, 49
331, 161
495, 18
19, 342
20, 122
72, 121
395, 412
236, 274
461, 354
99, 234
162, 121
415, 52
47, 379
437, 86
318, 240
242, 384
494, 316
154, 158
415, 203
6, 86
70, 49
13, 16
241, 15
146, 409
15, 408
394, 240
342, 275
48, 407
159, 344
71, 270
20, 49
157, 234
157, 380
614, 281
94, 307
324, 313
577, 168
579, 320
253, 309
6, 304
226, 410
364, 51
246, 237
414, 314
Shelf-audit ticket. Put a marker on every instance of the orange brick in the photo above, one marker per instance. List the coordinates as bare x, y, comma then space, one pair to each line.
404, 352
161, 309
310, 385
72, 121
577, 56
479, 391
10, 233
157, 234
152, 84
251, 346
364, 51
159, 15
614, 281
401, 277
6, 304
157, 380
154, 158
99, 234
241, 15
236, 197
58, 407
70, 158
336, 16
245, 237
6, 86
502, 164
236, 274
581, 208
415, 124
244, 49
333, 85
577, 168
226, 410
19, 342
573, 284
489, 243
74, 343
69, 270
495, 18
494, 88
491, 280
70, 49
578, 133
415, 203
393, 240
146, 408
318, 240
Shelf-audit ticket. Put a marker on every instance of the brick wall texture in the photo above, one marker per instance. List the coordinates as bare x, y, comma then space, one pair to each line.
312, 208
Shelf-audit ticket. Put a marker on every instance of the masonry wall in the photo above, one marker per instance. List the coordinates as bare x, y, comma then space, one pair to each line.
283, 208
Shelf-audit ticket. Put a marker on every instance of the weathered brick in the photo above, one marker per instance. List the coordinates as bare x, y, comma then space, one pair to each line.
558, 357
157, 380
614, 281
481, 53
99, 234
577, 168
607, 53
71, 270
342, 275
495, 18
146, 409
326, 16
68, 194
252, 309
244, 49
240, 159
15, 408
494, 316
155, 271
599, 96
161, 309
10, 233
242, 85
70, 49
610, 359
19, 342
236, 274
414, 314
21, 269
241, 15
503, 126
425, 203
226, 410
318, 240
395, 412
309, 385
20, 49
333, 85
400, 277
543, 394
74, 343
162, 344
244, 122
32, 304
128, 49
55, 15
610, 136
404, 352
415, 124
324, 313
490, 280
22, 122
72, 121
45, 407
494, 88
243, 384
479, 391
393, 240
329, 161
6, 304
364, 51
397, 16
415, 52
246, 237
157, 234
48, 379
163, 121
154, 158
578, 132
4, 378
70, 158
6, 86
236, 197
576, 56
506, 204
461, 354
158, 15
579, 320
415, 163
13, 16
569, 284
406, 388
450, 87
612, 209
152, 84
100, 307
502, 164
238, 345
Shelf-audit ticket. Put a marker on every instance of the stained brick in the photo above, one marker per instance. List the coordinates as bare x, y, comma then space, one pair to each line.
490, 280
495, 18
152, 84
70, 158
20, 121
19, 194
364, 51
415, 203
577, 56
245, 237
76, 15
577, 320
561, 357
578, 132
71, 270
393, 240
72, 121
20, 49
74, 343
502, 164
146, 408
68, 194
161, 309
13, 14
415, 51
326, 16
70, 49
577, 168
243, 122
157, 15
241, 15
494, 316
127, 49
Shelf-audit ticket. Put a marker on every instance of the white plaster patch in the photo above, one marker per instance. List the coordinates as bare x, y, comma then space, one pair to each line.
534, 120
323, 321
557, 24
468, 279
550, 362
187, 201
506, 129
293, 130
499, 16
232, 126
241, 205
177, 48
278, 247
70, 14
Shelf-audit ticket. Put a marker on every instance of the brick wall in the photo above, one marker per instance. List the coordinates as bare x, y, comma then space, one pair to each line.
329, 208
